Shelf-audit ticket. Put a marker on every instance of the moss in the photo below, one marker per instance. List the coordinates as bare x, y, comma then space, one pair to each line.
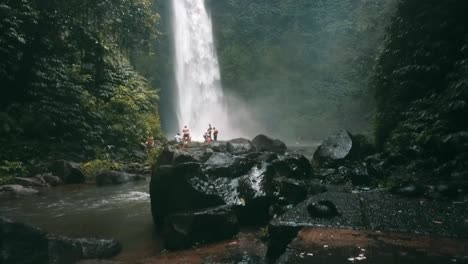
153, 155
92, 168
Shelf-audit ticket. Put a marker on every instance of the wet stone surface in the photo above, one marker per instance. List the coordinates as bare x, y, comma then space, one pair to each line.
392, 213
351, 246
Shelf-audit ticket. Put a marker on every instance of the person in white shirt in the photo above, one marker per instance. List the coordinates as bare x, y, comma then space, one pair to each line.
178, 138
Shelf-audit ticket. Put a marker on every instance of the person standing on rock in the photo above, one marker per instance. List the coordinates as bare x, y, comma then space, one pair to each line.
215, 134
209, 130
186, 133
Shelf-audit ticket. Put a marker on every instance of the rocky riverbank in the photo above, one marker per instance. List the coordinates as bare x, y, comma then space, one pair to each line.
206, 193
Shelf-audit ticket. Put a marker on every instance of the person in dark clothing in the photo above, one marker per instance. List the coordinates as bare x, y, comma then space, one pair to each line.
215, 134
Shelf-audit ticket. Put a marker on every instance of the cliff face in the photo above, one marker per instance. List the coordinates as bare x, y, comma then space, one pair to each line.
303, 66
421, 85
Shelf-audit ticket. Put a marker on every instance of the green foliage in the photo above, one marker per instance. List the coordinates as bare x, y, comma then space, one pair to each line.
422, 67
92, 168
153, 155
67, 77
10, 169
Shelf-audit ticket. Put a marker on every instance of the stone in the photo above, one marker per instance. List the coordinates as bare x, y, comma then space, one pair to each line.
22, 244
185, 229
17, 190
178, 188
70, 250
116, 177
265, 143
29, 182
291, 191
409, 190
226, 165
239, 146
336, 147
323, 209
68, 171
218, 146
50, 179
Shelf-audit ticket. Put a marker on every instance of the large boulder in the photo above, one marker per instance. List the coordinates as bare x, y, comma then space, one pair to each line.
111, 177
218, 146
226, 165
178, 188
293, 166
192, 186
30, 182
68, 171
15, 189
185, 229
334, 148
264, 143
239, 146
343, 146
22, 244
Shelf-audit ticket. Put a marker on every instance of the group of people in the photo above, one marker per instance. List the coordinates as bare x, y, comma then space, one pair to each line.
211, 131
209, 135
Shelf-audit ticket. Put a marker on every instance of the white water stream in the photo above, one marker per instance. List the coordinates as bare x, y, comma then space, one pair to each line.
200, 98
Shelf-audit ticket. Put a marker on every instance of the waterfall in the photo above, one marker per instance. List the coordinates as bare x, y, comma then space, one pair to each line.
200, 99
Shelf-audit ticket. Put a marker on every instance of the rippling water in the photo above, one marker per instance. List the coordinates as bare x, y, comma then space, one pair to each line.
122, 212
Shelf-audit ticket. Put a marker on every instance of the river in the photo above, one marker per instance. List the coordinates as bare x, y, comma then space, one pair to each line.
122, 212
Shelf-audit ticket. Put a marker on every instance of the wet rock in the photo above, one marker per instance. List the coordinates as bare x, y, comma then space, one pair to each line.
293, 166
323, 209
192, 186
64, 250
170, 155
183, 230
179, 188
29, 182
239, 146
334, 148
218, 146
283, 229
227, 165
68, 171
290, 190
167, 155
385, 212
265, 143
359, 175
181, 156
255, 191
409, 190
22, 243
17, 190
268, 157
197, 154
116, 177
447, 190
49, 179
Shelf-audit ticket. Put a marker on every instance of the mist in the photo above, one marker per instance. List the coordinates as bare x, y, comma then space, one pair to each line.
295, 70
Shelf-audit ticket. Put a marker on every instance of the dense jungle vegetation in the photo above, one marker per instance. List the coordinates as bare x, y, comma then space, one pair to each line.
421, 86
82, 76
69, 79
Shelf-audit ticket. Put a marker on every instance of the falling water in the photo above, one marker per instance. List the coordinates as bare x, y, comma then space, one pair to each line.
200, 97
